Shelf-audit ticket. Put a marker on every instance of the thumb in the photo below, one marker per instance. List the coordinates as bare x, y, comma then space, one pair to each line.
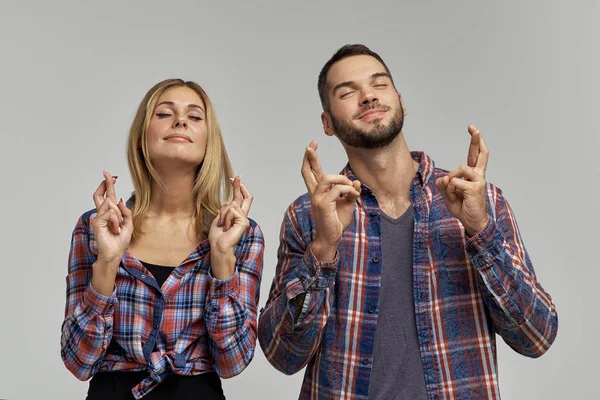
442, 185
353, 195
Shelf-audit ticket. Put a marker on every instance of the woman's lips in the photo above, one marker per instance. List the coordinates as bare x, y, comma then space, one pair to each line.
178, 137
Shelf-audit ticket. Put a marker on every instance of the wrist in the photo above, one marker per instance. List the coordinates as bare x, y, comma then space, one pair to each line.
323, 252
222, 263
103, 278
107, 262
475, 230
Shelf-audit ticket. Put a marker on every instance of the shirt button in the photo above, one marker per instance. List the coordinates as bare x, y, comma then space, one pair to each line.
373, 213
365, 361
155, 326
375, 259
143, 276
372, 309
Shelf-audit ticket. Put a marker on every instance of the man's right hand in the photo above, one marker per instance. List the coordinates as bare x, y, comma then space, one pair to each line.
333, 198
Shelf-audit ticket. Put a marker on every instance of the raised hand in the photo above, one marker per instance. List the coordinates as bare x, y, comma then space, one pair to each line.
464, 189
228, 228
113, 228
333, 198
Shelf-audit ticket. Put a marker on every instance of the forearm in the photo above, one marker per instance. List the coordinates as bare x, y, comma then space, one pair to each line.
103, 276
232, 342
86, 333
231, 306
292, 324
522, 311
225, 314
222, 263
290, 345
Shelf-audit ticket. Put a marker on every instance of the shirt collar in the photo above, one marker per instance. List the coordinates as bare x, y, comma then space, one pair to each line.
424, 173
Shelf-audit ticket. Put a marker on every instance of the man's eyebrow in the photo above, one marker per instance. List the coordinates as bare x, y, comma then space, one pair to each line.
381, 74
170, 103
341, 85
350, 83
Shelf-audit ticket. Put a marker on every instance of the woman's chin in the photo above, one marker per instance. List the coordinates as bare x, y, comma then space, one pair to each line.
176, 161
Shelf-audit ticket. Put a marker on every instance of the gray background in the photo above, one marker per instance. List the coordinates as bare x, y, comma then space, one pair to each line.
73, 73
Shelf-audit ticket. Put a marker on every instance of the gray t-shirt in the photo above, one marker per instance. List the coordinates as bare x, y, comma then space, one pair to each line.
397, 368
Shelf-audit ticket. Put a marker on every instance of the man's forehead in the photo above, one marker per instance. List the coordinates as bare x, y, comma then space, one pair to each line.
354, 68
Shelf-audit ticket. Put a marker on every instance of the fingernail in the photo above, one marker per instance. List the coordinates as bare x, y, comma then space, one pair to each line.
231, 179
115, 176
119, 230
219, 222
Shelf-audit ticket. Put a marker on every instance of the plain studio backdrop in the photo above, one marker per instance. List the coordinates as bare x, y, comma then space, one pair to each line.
72, 74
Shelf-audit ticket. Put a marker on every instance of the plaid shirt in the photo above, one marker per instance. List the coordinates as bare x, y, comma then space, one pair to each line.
197, 323
465, 291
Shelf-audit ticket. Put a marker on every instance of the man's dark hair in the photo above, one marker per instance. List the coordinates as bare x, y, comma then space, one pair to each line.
346, 51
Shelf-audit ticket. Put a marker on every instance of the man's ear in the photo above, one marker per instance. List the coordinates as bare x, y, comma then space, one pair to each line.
402, 104
327, 125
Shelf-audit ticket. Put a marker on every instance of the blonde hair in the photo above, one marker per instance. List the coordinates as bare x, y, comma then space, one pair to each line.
211, 186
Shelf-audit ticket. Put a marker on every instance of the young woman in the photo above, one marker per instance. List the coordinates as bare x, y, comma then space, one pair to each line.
162, 291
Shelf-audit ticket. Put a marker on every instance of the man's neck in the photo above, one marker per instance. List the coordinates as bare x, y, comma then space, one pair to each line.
387, 171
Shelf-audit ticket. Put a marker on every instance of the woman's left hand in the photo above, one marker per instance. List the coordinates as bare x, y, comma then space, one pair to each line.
228, 228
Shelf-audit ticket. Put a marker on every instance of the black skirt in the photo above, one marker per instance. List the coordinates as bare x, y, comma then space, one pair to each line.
117, 385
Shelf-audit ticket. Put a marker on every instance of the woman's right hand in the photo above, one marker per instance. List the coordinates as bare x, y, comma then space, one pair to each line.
113, 228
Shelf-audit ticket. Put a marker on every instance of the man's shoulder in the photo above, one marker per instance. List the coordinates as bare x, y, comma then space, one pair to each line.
300, 206
299, 215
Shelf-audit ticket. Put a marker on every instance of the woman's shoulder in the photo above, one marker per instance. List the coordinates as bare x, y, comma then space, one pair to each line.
253, 223
254, 230
87, 216
85, 220
253, 234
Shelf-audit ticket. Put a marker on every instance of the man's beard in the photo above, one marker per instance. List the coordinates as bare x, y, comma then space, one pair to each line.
378, 137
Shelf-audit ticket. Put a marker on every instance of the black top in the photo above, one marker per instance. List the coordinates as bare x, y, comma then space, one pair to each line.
117, 385
159, 272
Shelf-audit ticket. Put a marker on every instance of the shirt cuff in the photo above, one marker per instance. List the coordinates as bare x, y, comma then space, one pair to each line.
486, 245
220, 288
98, 303
317, 274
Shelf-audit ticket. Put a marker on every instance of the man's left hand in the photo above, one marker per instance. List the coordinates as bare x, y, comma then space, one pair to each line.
464, 189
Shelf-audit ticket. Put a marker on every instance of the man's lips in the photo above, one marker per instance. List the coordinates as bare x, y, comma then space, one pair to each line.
372, 114
178, 137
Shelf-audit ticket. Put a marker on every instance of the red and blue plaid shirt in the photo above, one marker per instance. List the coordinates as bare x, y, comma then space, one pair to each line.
193, 324
465, 291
